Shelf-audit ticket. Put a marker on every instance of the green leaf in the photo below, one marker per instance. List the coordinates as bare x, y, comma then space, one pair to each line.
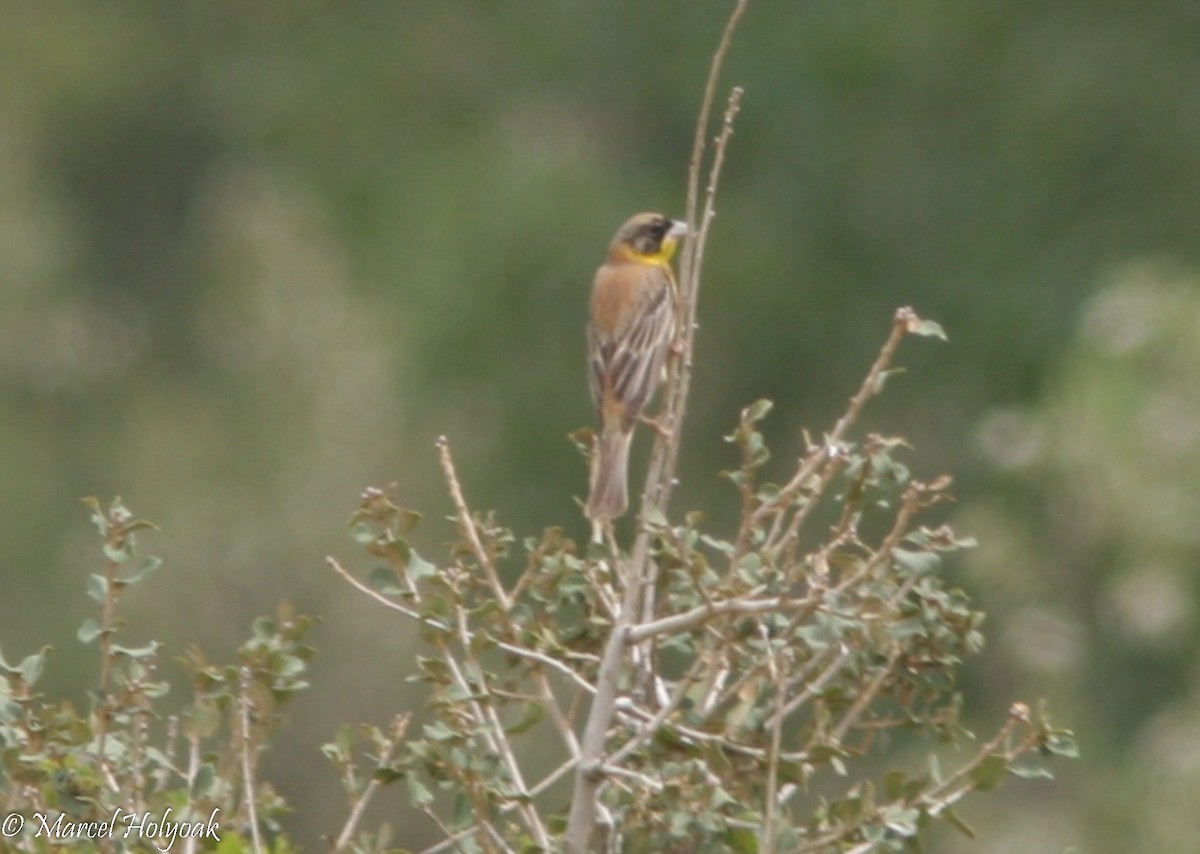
385, 775
89, 630
901, 820
97, 588
137, 652
742, 841
989, 773
119, 554
928, 329
419, 568
32, 665
463, 811
418, 795
757, 411
722, 546
363, 532
406, 520
203, 782
438, 731
655, 520
98, 517
383, 580
916, 563
894, 783
149, 566
1028, 771
1061, 742
956, 821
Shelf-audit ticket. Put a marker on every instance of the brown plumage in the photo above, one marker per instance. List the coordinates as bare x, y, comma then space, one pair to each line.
630, 328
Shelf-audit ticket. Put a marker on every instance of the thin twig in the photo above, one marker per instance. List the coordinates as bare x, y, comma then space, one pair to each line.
395, 736
812, 688
467, 525
702, 613
902, 323
865, 697
384, 600
651, 729
453, 838
244, 703
511, 649
769, 831
489, 729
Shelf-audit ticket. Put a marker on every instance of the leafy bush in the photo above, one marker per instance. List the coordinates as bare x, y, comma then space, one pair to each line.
739, 686
124, 776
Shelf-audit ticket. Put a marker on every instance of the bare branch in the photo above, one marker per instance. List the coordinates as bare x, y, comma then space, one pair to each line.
248, 787
395, 737
467, 525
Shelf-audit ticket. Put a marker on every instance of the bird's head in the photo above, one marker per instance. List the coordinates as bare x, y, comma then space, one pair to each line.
648, 238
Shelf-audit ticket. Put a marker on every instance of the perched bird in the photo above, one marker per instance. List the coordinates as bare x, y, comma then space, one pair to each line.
630, 329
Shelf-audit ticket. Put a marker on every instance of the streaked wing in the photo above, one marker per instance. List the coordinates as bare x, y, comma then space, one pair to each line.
627, 349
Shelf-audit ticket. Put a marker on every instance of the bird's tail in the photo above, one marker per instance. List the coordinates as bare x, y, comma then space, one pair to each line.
610, 473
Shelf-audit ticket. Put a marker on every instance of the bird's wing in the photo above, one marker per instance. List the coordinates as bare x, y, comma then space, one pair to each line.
633, 318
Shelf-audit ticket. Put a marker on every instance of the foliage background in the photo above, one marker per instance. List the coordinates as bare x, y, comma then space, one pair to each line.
253, 259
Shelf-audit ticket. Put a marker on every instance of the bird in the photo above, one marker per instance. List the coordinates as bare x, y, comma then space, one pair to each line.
631, 327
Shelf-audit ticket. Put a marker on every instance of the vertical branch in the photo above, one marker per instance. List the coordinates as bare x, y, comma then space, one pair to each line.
662, 477
105, 704
243, 716
661, 472
468, 527
359, 804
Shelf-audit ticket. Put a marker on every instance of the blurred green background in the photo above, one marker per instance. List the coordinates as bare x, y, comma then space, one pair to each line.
254, 258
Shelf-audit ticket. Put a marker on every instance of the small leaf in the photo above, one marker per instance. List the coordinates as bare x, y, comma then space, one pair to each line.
654, 519
956, 821
97, 587
98, 518
901, 820
926, 328
385, 775
121, 553
893, 784
149, 566
89, 631
1031, 772
757, 411
989, 773
406, 520
419, 568
725, 548
32, 665
333, 753
1061, 742
362, 532
913, 563
742, 840
438, 731
136, 652
202, 783
383, 580
531, 713
418, 795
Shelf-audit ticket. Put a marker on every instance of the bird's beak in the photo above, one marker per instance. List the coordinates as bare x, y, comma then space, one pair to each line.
678, 229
